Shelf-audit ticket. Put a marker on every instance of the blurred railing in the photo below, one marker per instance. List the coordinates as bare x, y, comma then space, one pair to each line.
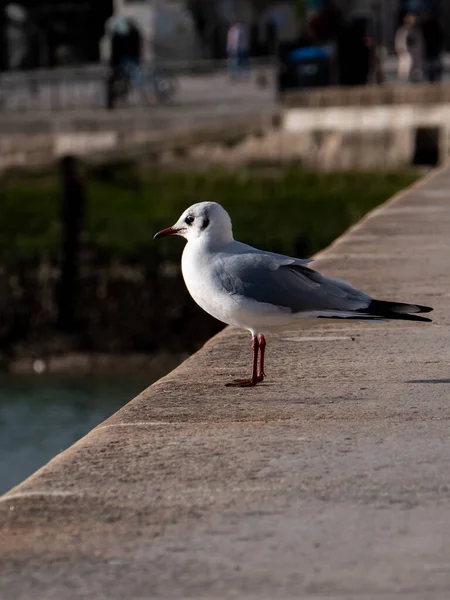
197, 82
53, 89
85, 87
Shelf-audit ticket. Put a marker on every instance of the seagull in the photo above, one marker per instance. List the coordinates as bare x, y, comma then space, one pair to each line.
262, 291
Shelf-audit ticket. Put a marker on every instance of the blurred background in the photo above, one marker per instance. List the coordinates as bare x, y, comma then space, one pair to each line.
116, 116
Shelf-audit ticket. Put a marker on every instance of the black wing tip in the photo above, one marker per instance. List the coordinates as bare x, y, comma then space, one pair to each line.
398, 310
424, 309
413, 318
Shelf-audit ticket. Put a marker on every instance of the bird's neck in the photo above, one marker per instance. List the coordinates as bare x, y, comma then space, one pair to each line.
213, 241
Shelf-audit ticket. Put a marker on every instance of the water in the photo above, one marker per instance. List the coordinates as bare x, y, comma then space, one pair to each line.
39, 416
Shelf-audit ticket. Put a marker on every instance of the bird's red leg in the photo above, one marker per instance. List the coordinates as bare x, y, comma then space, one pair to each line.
254, 379
262, 349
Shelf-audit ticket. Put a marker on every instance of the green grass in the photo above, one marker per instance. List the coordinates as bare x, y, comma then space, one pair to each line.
287, 210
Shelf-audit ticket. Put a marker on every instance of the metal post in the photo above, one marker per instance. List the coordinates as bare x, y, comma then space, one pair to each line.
72, 222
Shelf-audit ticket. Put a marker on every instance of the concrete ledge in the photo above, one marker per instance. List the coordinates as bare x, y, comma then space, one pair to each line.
331, 480
369, 95
101, 135
361, 120
366, 136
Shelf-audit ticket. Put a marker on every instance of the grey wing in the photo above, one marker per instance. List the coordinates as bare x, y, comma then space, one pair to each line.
288, 283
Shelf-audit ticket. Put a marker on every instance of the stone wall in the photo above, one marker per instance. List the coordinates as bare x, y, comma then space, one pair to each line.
332, 128
42, 141
369, 95
368, 127
324, 150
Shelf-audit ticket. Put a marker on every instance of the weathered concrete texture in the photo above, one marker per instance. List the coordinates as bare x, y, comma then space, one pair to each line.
319, 149
369, 95
368, 127
332, 480
126, 133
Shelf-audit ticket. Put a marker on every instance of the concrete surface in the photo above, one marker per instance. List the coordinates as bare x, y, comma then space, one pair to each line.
420, 94
370, 127
331, 480
35, 139
60, 90
31, 133
83, 87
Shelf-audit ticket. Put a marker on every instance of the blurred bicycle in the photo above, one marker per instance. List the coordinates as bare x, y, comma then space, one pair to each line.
153, 85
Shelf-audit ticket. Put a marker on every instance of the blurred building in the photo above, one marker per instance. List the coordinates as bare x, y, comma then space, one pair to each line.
47, 33
388, 14
269, 22
167, 27
186, 29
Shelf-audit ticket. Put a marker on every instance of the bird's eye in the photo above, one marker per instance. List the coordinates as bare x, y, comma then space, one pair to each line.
189, 220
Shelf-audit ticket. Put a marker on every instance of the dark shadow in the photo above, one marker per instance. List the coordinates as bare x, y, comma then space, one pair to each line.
427, 146
428, 381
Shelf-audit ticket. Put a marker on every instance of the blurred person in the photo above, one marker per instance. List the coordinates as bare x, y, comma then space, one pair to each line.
409, 46
272, 36
327, 22
357, 51
328, 26
121, 48
21, 37
237, 49
434, 42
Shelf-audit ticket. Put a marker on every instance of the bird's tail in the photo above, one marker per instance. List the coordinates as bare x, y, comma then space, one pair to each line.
397, 310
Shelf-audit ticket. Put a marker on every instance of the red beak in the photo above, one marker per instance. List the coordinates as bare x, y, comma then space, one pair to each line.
166, 232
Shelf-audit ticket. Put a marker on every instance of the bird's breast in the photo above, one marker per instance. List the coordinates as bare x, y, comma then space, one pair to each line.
205, 277
203, 284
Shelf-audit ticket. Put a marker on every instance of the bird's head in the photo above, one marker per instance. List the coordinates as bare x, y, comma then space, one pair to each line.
202, 221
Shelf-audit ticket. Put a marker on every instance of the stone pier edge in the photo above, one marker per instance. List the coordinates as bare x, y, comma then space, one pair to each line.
218, 339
